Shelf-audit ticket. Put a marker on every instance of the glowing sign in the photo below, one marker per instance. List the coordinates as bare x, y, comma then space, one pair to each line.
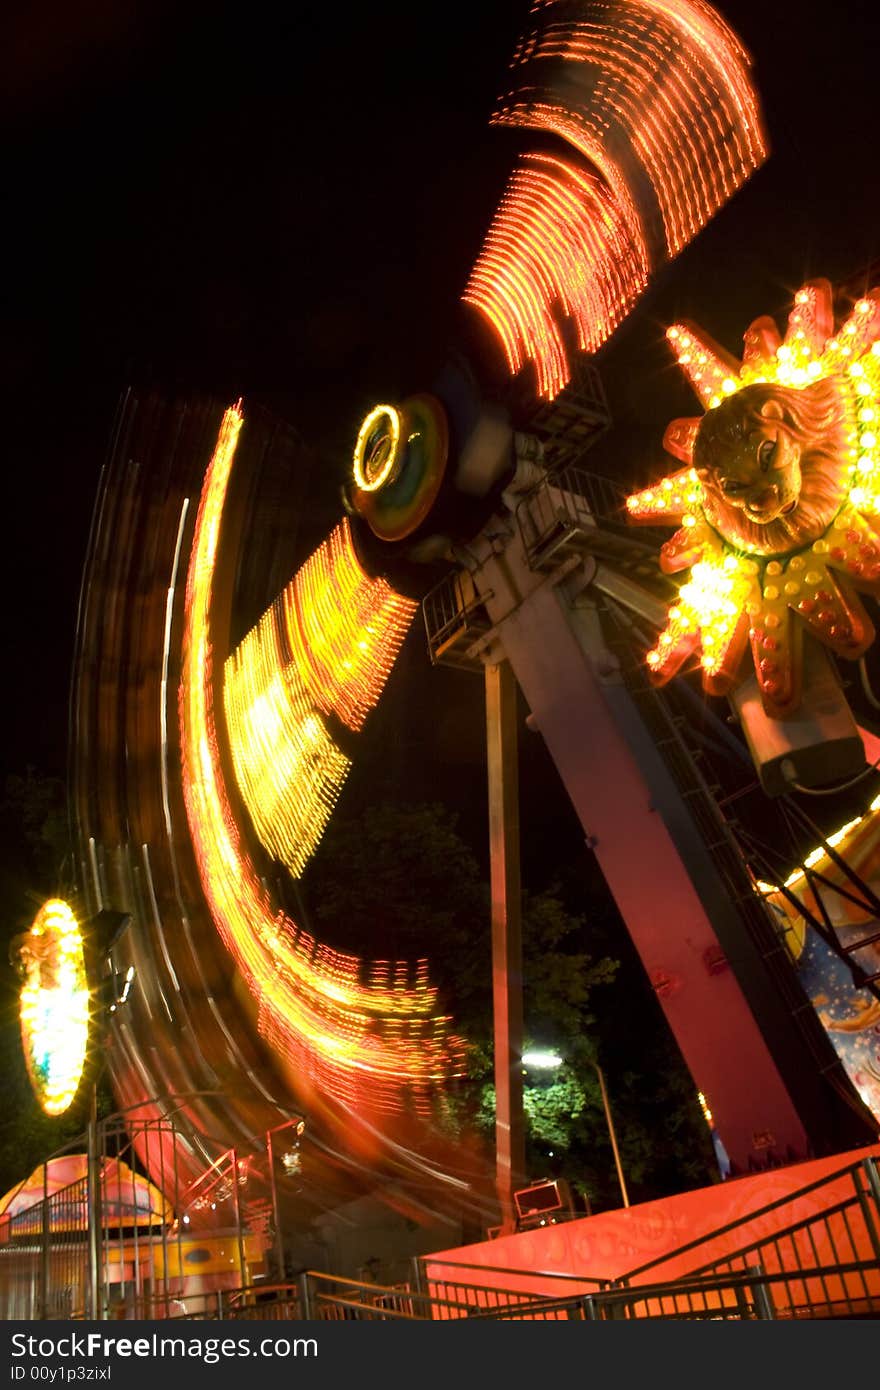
54, 1005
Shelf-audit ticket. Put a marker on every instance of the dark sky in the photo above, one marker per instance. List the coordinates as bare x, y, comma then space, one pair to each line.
287, 206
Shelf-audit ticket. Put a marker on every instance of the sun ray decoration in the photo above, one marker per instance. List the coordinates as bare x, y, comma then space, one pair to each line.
368, 1035
654, 101
780, 545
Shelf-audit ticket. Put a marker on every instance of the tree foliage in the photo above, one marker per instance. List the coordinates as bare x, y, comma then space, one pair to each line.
399, 881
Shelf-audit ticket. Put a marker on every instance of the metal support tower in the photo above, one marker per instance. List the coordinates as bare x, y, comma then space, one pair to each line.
543, 575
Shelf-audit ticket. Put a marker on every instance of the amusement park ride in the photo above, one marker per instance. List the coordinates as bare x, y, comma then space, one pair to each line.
211, 734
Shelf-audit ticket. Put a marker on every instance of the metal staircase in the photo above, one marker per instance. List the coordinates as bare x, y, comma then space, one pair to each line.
824, 1264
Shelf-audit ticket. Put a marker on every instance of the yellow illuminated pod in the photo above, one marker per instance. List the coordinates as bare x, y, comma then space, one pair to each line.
325, 647
288, 769
377, 451
344, 629
54, 1005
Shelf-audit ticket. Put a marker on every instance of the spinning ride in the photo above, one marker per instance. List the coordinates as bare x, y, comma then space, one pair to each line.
212, 733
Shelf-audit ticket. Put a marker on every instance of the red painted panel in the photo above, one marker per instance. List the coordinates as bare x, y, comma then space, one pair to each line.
613, 1243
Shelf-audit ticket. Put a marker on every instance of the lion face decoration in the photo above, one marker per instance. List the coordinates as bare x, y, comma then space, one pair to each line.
778, 502
773, 464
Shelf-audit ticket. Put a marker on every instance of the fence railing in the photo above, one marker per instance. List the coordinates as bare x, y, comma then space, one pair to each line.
828, 1258
753, 1294
572, 510
814, 1252
489, 1286
454, 619
44, 1269
738, 1298
137, 1235
326, 1297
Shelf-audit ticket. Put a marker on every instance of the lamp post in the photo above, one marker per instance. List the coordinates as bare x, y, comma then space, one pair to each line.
104, 932
550, 1061
611, 1132
299, 1125
93, 1207
64, 1005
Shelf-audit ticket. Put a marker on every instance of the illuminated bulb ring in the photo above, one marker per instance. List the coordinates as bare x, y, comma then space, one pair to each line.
54, 1006
405, 500
368, 475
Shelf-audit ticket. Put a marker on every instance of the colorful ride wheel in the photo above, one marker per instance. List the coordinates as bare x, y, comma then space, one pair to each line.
399, 465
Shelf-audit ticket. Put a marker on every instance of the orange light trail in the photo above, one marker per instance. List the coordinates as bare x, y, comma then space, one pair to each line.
558, 239
666, 126
326, 646
368, 1035
672, 80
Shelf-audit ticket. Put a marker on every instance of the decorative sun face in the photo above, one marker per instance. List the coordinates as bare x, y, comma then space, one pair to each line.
779, 500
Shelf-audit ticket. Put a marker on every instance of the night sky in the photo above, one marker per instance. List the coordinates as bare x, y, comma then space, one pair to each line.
286, 206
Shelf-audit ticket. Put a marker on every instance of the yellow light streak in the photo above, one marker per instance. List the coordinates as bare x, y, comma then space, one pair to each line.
369, 1035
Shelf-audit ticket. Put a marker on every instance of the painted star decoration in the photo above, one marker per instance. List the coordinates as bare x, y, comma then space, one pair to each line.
778, 499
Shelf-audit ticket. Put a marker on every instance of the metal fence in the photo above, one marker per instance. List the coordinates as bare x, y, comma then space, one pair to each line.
812, 1253
44, 1269
114, 1243
490, 1290
826, 1263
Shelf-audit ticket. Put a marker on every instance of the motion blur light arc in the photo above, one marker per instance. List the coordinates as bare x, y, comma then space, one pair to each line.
370, 1035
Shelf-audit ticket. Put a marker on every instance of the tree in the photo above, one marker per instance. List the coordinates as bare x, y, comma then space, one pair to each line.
34, 834
399, 881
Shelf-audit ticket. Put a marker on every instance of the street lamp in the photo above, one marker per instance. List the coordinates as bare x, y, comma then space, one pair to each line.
544, 1060
539, 1060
